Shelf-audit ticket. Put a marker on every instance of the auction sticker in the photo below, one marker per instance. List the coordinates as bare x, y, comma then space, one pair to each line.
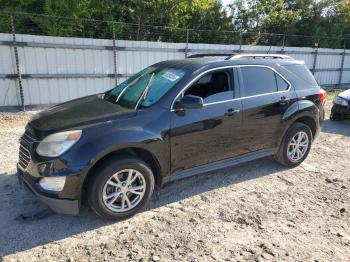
170, 76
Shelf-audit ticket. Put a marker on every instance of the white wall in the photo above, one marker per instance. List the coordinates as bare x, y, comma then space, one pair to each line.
97, 60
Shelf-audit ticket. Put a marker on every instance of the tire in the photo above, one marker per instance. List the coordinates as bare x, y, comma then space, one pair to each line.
335, 117
101, 194
283, 157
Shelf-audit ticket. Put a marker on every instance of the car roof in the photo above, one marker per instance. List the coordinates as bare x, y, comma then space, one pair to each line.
193, 64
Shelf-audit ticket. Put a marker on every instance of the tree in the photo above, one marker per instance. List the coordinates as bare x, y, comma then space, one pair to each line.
316, 23
320, 23
138, 14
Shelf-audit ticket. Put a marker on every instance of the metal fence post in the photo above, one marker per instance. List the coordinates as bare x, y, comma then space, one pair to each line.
240, 41
342, 65
315, 60
19, 76
283, 43
187, 40
114, 55
138, 29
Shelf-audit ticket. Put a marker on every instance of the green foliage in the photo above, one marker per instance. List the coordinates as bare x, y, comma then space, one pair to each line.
323, 23
92, 18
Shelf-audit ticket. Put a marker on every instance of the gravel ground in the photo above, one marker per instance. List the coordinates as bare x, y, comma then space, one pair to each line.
256, 211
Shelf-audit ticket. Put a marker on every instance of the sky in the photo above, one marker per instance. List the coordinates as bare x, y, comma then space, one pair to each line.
226, 2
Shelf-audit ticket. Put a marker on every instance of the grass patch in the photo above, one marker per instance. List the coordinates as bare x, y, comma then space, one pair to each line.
333, 93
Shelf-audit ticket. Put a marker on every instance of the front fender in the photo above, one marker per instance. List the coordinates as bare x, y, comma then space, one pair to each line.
97, 142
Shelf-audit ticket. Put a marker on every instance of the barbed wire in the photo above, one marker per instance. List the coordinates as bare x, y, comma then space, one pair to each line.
42, 24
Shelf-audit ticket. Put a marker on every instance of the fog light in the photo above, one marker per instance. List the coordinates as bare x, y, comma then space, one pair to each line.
53, 183
44, 168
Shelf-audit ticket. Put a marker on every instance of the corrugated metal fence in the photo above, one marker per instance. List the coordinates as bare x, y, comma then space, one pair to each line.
57, 69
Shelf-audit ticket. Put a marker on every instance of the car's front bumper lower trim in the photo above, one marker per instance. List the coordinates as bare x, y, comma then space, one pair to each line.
62, 206
342, 110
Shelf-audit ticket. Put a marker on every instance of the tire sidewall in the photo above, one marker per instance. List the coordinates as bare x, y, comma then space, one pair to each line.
334, 115
109, 169
295, 128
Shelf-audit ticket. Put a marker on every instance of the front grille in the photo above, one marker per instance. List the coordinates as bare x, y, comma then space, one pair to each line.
26, 143
28, 137
24, 156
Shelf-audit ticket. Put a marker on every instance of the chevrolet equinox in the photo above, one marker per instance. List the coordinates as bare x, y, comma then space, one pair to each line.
172, 120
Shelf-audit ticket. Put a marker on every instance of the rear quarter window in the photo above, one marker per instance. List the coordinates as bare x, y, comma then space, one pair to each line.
302, 72
281, 83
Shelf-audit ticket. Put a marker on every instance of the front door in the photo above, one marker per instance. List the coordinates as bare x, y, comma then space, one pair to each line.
211, 133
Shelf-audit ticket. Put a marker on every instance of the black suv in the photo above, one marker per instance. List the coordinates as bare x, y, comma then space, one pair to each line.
172, 120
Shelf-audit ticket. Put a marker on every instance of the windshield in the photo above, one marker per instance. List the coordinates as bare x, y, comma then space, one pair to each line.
145, 88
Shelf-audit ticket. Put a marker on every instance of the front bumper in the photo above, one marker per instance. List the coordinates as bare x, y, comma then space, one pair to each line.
338, 110
62, 206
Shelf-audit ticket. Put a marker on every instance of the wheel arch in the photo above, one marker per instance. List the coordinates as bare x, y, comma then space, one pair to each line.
140, 153
306, 119
310, 122
303, 111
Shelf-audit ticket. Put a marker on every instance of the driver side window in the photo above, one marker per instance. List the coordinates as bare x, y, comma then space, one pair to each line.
215, 86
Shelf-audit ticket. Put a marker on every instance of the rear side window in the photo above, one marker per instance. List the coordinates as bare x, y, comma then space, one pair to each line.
261, 80
302, 72
281, 83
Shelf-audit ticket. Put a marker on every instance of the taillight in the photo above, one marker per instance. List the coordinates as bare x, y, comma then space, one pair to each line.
322, 94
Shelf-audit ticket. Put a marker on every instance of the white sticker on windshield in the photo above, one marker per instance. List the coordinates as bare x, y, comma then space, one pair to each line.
170, 76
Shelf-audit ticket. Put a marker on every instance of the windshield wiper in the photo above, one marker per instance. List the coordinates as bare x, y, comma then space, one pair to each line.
107, 96
125, 88
145, 92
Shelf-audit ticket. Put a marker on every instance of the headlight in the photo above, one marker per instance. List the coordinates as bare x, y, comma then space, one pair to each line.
340, 101
53, 183
56, 144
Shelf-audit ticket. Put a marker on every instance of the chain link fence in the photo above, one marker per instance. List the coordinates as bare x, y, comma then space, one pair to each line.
37, 24
31, 43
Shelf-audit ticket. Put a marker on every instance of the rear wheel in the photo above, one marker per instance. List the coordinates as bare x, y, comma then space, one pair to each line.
295, 145
120, 188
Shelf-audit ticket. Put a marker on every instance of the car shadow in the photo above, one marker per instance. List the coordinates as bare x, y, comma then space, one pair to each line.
26, 223
339, 127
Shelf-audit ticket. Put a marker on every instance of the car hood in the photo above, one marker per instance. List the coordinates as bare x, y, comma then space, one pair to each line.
345, 94
79, 112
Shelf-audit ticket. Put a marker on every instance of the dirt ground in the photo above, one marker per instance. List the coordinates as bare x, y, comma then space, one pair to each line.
257, 211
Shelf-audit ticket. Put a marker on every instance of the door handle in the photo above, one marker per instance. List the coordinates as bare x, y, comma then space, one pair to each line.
231, 112
284, 100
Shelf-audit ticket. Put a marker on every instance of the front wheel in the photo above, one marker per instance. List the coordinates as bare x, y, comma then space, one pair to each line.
295, 145
335, 117
120, 187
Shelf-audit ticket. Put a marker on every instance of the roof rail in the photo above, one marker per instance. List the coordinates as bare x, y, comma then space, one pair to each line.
258, 56
240, 56
209, 55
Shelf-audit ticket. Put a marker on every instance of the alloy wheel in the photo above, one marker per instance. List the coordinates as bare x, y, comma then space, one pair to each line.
124, 190
298, 146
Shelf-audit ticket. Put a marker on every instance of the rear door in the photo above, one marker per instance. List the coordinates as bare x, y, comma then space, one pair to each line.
266, 95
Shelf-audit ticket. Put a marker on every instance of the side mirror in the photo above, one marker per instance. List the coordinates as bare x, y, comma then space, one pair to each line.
189, 102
